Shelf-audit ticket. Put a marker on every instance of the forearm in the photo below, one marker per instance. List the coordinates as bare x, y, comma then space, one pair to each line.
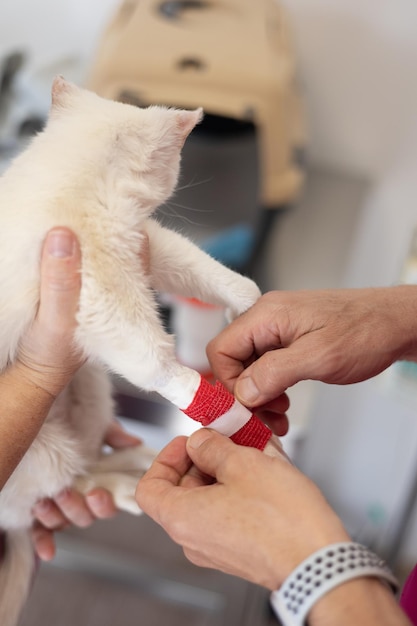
23, 409
360, 601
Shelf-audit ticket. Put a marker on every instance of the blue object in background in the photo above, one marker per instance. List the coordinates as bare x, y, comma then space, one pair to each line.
232, 247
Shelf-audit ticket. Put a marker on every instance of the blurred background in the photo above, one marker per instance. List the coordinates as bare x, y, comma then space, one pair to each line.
303, 175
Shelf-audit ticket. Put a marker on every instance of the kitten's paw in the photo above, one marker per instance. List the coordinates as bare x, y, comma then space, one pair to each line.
124, 495
118, 472
121, 486
244, 295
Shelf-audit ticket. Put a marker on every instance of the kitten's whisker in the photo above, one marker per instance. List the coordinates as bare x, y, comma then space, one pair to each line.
189, 208
181, 218
193, 184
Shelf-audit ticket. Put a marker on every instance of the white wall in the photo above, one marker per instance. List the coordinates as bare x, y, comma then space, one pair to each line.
363, 444
57, 35
387, 222
358, 61
358, 64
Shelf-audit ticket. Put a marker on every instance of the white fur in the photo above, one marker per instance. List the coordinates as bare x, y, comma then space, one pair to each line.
100, 168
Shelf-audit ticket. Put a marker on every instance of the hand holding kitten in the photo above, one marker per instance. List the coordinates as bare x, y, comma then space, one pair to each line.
47, 357
46, 362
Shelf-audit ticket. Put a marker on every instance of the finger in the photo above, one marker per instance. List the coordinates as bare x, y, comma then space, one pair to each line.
74, 508
43, 542
60, 278
214, 454
273, 413
277, 422
100, 503
228, 352
281, 404
164, 475
196, 478
49, 514
172, 463
239, 344
274, 372
118, 437
197, 558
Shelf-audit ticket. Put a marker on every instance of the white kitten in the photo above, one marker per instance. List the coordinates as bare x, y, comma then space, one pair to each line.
100, 168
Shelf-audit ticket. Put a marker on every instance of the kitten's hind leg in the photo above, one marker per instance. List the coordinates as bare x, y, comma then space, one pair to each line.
121, 486
135, 459
118, 472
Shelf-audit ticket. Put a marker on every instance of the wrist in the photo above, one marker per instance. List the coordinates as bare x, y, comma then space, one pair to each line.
319, 590
406, 320
31, 384
24, 408
48, 380
360, 601
324, 531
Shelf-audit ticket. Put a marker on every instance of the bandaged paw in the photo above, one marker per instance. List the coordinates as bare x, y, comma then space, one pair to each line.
215, 407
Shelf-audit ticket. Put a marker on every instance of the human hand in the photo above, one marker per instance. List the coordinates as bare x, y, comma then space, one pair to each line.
236, 509
335, 336
274, 414
70, 507
47, 357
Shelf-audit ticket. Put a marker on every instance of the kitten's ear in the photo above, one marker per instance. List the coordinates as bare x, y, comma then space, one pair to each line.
186, 121
61, 92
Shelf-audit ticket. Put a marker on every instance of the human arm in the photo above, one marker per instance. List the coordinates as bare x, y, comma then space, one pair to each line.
54, 327
46, 359
234, 509
335, 336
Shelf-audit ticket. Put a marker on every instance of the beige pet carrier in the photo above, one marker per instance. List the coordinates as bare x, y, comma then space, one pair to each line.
232, 57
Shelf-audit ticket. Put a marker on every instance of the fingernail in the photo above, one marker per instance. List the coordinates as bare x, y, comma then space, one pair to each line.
246, 391
42, 506
96, 500
60, 244
200, 436
63, 495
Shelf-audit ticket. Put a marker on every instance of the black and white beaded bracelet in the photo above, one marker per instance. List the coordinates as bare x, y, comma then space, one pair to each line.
322, 571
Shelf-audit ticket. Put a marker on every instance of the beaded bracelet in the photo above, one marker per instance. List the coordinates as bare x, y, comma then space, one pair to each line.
322, 571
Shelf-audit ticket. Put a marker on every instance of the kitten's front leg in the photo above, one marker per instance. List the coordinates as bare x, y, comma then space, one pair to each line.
132, 342
215, 407
178, 266
149, 363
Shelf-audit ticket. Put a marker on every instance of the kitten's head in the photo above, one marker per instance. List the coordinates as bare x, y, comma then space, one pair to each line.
141, 148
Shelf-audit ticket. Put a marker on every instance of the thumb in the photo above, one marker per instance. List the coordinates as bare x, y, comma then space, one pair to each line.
271, 375
208, 450
60, 277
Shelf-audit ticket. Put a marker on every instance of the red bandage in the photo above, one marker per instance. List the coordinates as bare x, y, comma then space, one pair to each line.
254, 434
210, 402
214, 406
